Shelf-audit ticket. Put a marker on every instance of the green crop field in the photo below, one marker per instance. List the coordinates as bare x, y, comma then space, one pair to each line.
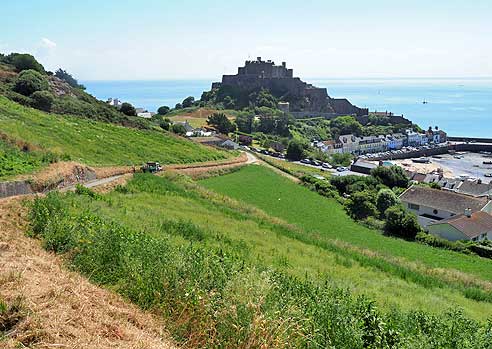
328, 221
212, 265
97, 143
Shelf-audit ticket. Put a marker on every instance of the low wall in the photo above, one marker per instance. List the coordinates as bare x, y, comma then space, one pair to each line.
416, 154
469, 139
15, 188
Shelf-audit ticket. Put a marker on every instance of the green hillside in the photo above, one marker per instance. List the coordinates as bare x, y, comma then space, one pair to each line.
212, 265
92, 142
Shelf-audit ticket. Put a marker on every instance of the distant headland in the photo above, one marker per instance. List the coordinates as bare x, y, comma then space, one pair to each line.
299, 98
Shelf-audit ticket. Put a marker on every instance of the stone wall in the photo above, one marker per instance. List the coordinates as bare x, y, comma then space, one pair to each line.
14, 188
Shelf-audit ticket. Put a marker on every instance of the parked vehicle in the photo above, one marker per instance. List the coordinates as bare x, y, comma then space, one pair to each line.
342, 169
151, 167
326, 165
306, 161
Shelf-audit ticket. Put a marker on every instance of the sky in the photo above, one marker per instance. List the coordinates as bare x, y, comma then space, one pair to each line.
203, 39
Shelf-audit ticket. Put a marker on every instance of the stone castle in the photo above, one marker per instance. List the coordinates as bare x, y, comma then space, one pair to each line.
303, 99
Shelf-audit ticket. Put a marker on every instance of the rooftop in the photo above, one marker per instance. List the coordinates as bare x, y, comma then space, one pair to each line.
442, 199
479, 223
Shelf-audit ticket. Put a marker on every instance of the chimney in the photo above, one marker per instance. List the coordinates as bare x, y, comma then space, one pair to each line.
468, 212
258, 59
284, 64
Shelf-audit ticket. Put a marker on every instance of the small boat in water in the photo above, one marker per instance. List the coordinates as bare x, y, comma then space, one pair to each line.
489, 175
422, 160
487, 162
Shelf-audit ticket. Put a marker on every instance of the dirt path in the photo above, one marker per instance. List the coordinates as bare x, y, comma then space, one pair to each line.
64, 309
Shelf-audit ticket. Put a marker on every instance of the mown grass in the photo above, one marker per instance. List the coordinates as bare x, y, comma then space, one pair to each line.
227, 276
98, 143
295, 204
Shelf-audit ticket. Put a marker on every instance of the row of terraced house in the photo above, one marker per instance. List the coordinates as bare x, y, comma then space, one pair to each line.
374, 144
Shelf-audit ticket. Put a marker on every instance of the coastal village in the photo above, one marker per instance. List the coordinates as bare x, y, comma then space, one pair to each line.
449, 205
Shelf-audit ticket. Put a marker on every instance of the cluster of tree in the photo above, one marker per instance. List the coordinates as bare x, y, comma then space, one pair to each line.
68, 78
229, 97
221, 123
374, 197
265, 120
23, 61
343, 125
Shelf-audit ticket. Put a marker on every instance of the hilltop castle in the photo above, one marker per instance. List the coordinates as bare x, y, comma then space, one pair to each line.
303, 99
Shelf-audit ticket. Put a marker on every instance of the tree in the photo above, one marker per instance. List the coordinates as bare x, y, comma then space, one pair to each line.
24, 61
30, 81
245, 122
386, 198
229, 102
401, 223
68, 78
42, 100
360, 205
392, 176
296, 150
188, 102
128, 109
245, 140
346, 125
165, 124
163, 110
178, 106
265, 99
178, 129
221, 123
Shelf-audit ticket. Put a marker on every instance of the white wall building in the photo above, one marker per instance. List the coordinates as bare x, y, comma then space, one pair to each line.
434, 205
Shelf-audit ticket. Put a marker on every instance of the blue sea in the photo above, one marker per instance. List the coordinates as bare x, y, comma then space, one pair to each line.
461, 107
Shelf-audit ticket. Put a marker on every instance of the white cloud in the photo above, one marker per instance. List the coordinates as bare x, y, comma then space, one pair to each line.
47, 43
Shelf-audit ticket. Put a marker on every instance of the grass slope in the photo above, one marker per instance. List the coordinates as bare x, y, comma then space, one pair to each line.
224, 274
262, 243
97, 143
295, 204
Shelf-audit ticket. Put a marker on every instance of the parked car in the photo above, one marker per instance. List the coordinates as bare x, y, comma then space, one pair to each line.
326, 165
306, 161
342, 169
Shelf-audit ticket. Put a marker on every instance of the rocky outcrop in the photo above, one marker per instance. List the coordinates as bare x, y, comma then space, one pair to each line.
280, 82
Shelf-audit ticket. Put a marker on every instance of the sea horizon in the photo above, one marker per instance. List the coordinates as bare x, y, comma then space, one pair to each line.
450, 100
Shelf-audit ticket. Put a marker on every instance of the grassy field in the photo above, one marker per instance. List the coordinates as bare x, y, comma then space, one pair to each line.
14, 161
97, 143
197, 117
326, 218
292, 168
212, 265
262, 243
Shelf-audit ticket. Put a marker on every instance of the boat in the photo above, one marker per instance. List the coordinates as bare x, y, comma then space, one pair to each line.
487, 162
422, 160
424, 102
489, 175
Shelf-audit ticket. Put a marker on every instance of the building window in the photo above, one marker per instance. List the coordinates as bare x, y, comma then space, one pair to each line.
413, 207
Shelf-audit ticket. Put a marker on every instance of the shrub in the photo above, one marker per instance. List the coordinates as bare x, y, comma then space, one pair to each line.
221, 123
128, 109
82, 190
42, 100
188, 102
361, 205
385, 199
296, 150
30, 81
401, 223
178, 129
392, 176
24, 61
163, 110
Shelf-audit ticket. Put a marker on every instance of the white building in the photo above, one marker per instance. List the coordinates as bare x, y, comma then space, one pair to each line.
475, 226
434, 205
350, 143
